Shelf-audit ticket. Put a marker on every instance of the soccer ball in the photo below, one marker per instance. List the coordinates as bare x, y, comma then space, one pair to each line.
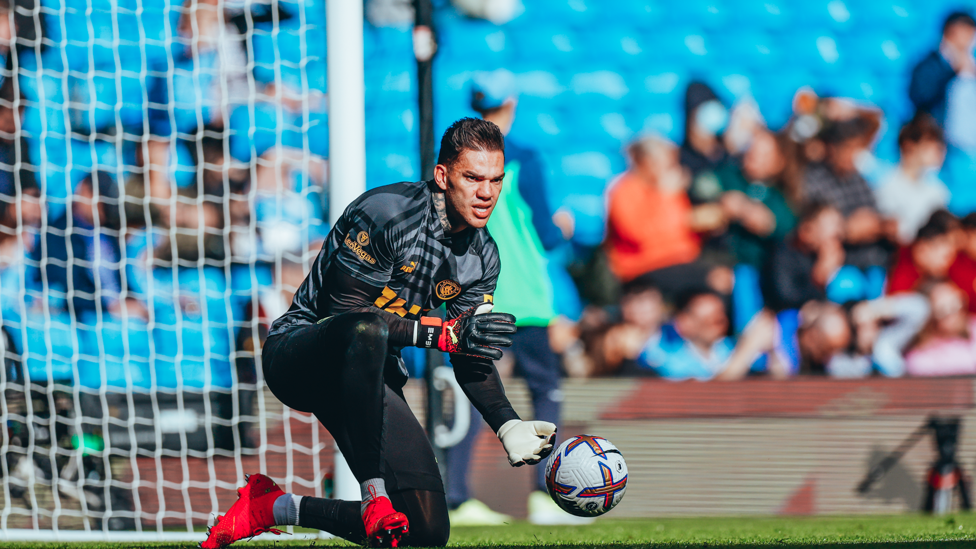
586, 476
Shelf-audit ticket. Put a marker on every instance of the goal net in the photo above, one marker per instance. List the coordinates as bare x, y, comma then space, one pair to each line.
161, 196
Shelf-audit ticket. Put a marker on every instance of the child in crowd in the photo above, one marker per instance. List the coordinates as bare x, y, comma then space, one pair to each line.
947, 344
913, 191
800, 268
929, 257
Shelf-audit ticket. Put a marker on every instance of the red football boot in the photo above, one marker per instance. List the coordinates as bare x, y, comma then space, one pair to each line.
385, 527
251, 514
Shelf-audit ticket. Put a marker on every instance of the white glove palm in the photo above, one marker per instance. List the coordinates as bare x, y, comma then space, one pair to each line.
527, 441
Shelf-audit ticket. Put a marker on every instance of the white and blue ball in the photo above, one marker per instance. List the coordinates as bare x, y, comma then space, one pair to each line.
586, 476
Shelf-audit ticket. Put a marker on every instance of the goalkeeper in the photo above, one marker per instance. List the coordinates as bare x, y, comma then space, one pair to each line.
396, 253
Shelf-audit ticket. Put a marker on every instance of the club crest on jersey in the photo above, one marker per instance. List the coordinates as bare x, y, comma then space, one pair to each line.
358, 250
447, 289
362, 238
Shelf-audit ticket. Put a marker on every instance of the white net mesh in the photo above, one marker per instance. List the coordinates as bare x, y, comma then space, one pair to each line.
161, 177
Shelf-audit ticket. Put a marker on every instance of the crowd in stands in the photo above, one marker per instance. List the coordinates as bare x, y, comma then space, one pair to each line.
748, 250
742, 250
141, 234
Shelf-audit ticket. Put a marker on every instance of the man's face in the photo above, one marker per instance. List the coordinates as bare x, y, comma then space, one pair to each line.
961, 36
471, 187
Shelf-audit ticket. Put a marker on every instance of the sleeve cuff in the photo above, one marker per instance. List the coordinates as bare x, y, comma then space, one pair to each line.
500, 417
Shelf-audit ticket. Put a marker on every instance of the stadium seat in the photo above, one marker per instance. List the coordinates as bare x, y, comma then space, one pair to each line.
827, 15
556, 45
599, 89
817, 52
755, 51
480, 40
879, 52
767, 15
687, 47
707, 14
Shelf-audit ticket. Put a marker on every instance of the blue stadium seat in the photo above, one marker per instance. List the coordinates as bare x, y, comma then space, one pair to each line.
48, 347
596, 88
558, 46
575, 13
589, 213
687, 47
754, 51
626, 47
472, 39
891, 15
765, 15
707, 14
545, 128
647, 15
879, 52
817, 52
827, 15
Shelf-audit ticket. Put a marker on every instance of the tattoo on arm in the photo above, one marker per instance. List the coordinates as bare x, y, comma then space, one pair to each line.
440, 206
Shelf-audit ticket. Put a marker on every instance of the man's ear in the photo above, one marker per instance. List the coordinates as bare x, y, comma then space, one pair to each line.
440, 176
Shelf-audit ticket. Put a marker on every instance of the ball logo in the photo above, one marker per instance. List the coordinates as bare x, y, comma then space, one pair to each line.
447, 289
362, 238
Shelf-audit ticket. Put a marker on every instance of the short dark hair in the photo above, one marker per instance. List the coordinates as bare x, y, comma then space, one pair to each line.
812, 210
921, 128
845, 130
686, 298
469, 134
939, 224
969, 222
957, 17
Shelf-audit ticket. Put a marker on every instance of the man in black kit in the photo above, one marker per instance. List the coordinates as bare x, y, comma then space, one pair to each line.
396, 253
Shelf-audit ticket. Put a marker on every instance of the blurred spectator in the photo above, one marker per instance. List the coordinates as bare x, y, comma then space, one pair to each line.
837, 182
82, 250
947, 344
800, 268
652, 227
963, 269
642, 313
822, 330
929, 258
753, 202
197, 219
696, 346
705, 119
883, 330
932, 76
913, 191
944, 85
758, 217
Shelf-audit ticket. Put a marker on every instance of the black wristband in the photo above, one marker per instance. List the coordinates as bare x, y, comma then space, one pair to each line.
428, 332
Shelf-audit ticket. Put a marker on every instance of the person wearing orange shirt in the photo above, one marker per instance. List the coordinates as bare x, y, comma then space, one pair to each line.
652, 228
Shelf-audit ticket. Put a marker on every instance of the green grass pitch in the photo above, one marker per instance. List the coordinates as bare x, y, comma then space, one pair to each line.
875, 532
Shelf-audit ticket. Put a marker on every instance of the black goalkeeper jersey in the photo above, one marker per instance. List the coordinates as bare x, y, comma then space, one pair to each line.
391, 238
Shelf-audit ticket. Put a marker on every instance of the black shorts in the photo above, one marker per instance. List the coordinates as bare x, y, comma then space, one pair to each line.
299, 373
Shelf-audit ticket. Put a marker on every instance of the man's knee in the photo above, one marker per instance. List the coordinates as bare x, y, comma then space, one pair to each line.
367, 330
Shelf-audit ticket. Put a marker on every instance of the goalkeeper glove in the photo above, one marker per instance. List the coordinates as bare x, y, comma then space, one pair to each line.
477, 332
527, 441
